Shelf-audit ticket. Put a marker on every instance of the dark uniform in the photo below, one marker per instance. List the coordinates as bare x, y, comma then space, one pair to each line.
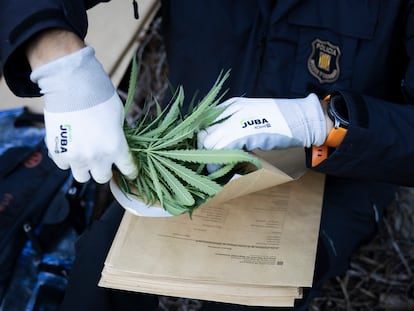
361, 48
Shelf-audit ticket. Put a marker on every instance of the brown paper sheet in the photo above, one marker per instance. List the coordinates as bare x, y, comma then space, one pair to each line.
256, 249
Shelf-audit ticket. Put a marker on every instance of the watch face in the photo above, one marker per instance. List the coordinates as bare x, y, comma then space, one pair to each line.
339, 110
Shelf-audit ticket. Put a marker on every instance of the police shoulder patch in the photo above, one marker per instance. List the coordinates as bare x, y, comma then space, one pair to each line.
323, 63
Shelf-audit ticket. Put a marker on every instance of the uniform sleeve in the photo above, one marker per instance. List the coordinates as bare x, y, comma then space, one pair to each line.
379, 144
21, 19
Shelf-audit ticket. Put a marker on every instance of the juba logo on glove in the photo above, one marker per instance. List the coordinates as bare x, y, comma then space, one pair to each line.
62, 141
257, 123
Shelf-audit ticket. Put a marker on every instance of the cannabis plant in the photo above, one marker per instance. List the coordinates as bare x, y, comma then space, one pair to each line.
172, 170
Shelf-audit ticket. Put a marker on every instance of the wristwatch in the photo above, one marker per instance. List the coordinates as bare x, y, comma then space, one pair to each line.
338, 113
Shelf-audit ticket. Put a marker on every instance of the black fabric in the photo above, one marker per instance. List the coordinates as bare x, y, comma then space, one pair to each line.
268, 46
29, 180
82, 293
20, 20
376, 146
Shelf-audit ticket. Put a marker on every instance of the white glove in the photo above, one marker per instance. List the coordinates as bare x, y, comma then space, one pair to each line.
267, 123
83, 117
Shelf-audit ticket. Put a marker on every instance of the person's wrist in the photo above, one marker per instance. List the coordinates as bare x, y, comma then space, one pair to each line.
329, 122
73, 82
51, 44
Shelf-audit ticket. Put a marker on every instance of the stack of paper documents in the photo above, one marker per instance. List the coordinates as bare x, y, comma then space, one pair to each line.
256, 249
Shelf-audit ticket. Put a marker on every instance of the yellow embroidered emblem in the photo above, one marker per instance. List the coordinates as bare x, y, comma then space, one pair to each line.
323, 63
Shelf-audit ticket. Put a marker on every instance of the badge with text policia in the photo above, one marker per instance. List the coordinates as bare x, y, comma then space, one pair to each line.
323, 63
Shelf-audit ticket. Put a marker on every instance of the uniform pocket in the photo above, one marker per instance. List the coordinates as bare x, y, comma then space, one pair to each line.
329, 36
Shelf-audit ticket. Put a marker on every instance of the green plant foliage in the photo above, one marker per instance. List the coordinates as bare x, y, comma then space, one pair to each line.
172, 171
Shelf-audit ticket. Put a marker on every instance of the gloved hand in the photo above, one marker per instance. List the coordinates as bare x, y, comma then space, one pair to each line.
83, 117
267, 123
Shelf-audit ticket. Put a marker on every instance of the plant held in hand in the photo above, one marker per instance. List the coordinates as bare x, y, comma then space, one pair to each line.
172, 171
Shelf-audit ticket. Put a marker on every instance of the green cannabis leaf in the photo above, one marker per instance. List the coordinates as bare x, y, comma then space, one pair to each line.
172, 171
